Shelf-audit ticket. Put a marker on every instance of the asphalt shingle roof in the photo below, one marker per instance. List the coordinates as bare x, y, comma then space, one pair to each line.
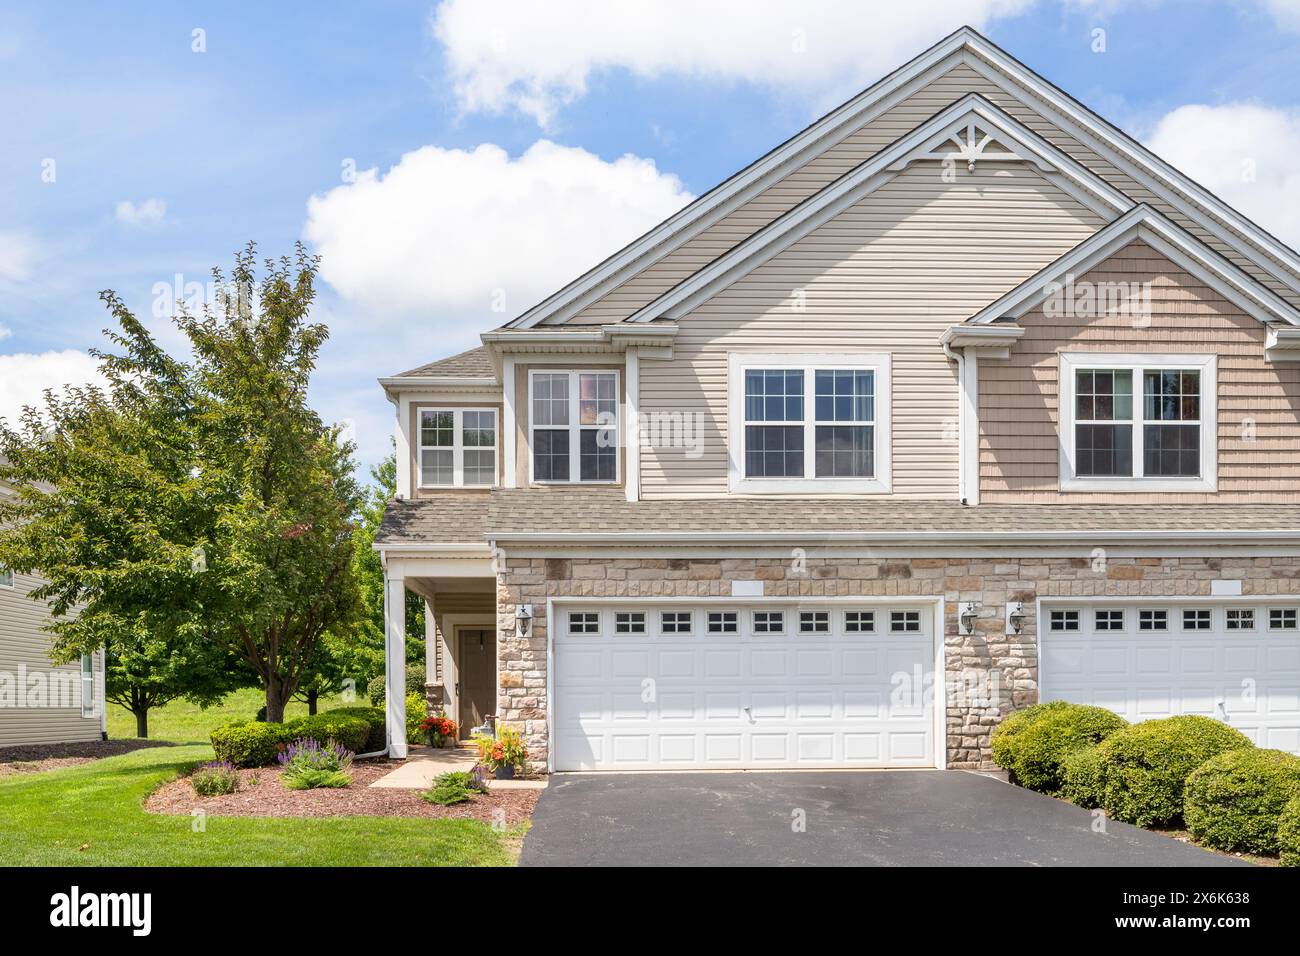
474, 362
602, 511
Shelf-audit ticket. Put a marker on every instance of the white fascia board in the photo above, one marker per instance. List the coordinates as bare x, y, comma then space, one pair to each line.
719, 539
542, 336
435, 382
1282, 344
833, 199
1147, 225
1133, 158
1000, 336
733, 193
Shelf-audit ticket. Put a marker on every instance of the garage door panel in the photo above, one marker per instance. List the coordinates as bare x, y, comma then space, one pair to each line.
741, 700
1249, 677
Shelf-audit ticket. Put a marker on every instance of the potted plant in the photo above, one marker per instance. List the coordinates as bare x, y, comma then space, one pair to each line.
505, 754
439, 730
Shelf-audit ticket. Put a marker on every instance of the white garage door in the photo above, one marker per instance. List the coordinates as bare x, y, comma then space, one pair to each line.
1239, 662
681, 687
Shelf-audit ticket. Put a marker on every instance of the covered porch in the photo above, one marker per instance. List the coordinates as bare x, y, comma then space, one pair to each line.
457, 587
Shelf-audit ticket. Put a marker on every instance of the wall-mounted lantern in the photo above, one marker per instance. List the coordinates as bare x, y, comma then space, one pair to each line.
1015, 617
967, 612
523, 619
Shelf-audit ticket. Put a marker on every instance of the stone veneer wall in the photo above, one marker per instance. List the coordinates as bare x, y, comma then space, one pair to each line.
991, 581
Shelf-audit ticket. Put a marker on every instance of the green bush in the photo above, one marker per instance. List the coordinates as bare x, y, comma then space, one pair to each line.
1039, 749
1081, 777
1012, 726
374, 718
214, 779
1143, 768
1288, 833
1234, 801
353, 732
416, 705
453, 787
248, 744
309, 763
414, 684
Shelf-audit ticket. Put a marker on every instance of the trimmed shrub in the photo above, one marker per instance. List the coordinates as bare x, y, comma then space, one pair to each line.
351, 731
214, 779
414, 684
1288, 833
374, 718
1038, 750
416, 707
1012, 726
1144, 767
248, 744
1234, 801
1081, 777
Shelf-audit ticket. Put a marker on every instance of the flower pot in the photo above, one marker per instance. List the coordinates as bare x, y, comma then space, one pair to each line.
504, 772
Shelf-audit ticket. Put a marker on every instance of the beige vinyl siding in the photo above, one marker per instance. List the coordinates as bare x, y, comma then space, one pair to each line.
1019, 448
855, 149
23, 643
887, 275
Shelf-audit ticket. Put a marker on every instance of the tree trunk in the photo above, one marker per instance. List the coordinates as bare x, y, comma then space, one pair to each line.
141, 721
312, 697
276, 698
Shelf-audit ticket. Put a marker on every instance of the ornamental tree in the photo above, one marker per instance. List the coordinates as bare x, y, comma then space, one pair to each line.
200, 498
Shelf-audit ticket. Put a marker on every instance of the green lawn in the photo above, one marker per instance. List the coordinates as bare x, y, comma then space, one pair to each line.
93, 815
184, 722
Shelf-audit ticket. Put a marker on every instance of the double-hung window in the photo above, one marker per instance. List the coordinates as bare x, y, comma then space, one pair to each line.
458, 447
1137, 422
87, 685
573, 422
809, 423
6, 577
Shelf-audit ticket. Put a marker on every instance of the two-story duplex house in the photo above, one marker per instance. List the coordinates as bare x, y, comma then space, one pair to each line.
957, 400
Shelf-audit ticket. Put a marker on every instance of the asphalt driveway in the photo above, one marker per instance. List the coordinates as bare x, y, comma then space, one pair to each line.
883, 818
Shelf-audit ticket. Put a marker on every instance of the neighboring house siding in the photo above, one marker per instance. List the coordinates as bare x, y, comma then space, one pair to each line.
1019, 450
887, 275
23, 643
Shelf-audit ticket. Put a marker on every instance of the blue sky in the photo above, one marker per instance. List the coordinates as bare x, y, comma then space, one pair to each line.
512, 143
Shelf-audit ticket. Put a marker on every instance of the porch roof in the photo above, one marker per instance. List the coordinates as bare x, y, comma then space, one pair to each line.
596, 515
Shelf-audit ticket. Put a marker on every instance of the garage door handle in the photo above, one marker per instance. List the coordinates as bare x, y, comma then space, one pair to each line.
749, 715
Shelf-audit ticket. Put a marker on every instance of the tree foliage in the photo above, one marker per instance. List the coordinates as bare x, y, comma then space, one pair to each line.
199, 499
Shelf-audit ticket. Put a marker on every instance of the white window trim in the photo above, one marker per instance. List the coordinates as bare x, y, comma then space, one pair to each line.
1207, 365
739, 362
8, 580
458, 445
575, 428
88, 696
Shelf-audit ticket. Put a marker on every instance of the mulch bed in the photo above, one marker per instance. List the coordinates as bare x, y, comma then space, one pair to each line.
261, 794
33, 758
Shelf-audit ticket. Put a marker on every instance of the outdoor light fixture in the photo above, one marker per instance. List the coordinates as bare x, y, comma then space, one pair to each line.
523, 618
1015, 617
966, 614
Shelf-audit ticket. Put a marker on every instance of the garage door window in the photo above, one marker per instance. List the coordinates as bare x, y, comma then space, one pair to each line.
1153, 619
814, 622
769, 622
722, 622
1241, 619
1109, 621
859, 622
1064, 620
905, 622
675, 622
1198, 619
584, 622
629, 622
1282, 619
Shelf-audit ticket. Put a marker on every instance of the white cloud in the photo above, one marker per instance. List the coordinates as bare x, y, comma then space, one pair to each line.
24, 376
1285, 12
148, 212
449, 230
17, 254
1242, 152
536, 57
5, 332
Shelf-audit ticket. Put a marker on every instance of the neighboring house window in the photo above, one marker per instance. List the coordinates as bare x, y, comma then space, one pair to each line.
6, 577
573, 420
809, 423
458, 447
1137, 422
87, 685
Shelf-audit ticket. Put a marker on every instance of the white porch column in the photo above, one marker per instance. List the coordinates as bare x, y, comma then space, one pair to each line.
969, 427
395, 663
431, 640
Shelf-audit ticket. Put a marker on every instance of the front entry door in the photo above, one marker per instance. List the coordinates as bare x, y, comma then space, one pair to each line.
478, 665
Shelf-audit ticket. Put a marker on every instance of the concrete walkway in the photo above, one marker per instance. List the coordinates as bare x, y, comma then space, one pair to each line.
423, 764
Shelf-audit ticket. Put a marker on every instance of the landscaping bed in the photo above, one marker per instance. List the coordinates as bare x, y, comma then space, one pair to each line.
34, 758
262, 794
